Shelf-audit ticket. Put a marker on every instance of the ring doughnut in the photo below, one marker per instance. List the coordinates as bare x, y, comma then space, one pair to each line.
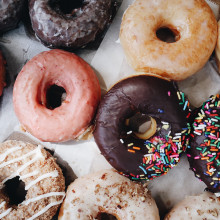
204, 206
158, 149
10, 14
204, 151
43, 179
2, 73
107, 192
62, 24
193, 25
60, 70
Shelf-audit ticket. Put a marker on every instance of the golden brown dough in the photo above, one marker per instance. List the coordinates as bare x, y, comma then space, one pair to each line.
193, 24
41, 175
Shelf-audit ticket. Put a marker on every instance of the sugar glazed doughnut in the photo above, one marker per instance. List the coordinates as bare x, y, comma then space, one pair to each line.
193, 24
135, 151
108, 192
204, 153
69, 24
44, 76
43, 180
10, 14
2, 73
204, 206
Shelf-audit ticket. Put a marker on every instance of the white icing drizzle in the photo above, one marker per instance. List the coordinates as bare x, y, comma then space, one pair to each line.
37, 156
4, 155
5, 213
29, 175
43, 196
44, 176
36, 151
2, 204
45, 209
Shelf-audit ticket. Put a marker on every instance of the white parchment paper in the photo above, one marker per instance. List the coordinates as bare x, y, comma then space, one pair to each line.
83, 157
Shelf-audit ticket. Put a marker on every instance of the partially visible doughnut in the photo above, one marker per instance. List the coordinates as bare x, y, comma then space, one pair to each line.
204, 206
10, 14
204, 151
154, 153
69, 24
64, 71
193, 24
2, 73
43, 180
108, 192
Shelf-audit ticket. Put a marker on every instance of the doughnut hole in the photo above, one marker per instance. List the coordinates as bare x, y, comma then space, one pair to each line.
14, 189
65, 6
105, 216
143, 126
55, 95
167, 34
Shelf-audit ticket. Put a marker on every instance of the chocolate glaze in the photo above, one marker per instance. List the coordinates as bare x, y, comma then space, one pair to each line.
10, 14
200, 147
57, 27
151, 96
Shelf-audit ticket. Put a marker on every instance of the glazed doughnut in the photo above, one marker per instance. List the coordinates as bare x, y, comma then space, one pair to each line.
217, 49
204, 153
62, 24
204, 206
155, 151
43, 180
10, 14
68, 73
2, 73
107, 192
193, 24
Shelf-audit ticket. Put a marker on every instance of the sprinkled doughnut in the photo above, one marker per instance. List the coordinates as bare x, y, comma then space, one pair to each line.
2, 73
204, 151
69, 24
10, 14
56, 95
192, 25
108, 192
41, 175
141, 126
204, 206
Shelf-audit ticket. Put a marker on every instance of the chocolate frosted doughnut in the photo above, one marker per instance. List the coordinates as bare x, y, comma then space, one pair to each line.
204, 153
10, 14
67, 24
140, 158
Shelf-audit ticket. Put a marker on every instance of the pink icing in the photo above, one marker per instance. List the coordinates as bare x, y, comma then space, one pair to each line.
74, 115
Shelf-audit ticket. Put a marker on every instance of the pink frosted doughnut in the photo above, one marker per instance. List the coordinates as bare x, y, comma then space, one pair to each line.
74, 115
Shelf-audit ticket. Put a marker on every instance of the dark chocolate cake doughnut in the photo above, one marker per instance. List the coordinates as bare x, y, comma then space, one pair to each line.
10, 14
204, 151
68, 24
149, 101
